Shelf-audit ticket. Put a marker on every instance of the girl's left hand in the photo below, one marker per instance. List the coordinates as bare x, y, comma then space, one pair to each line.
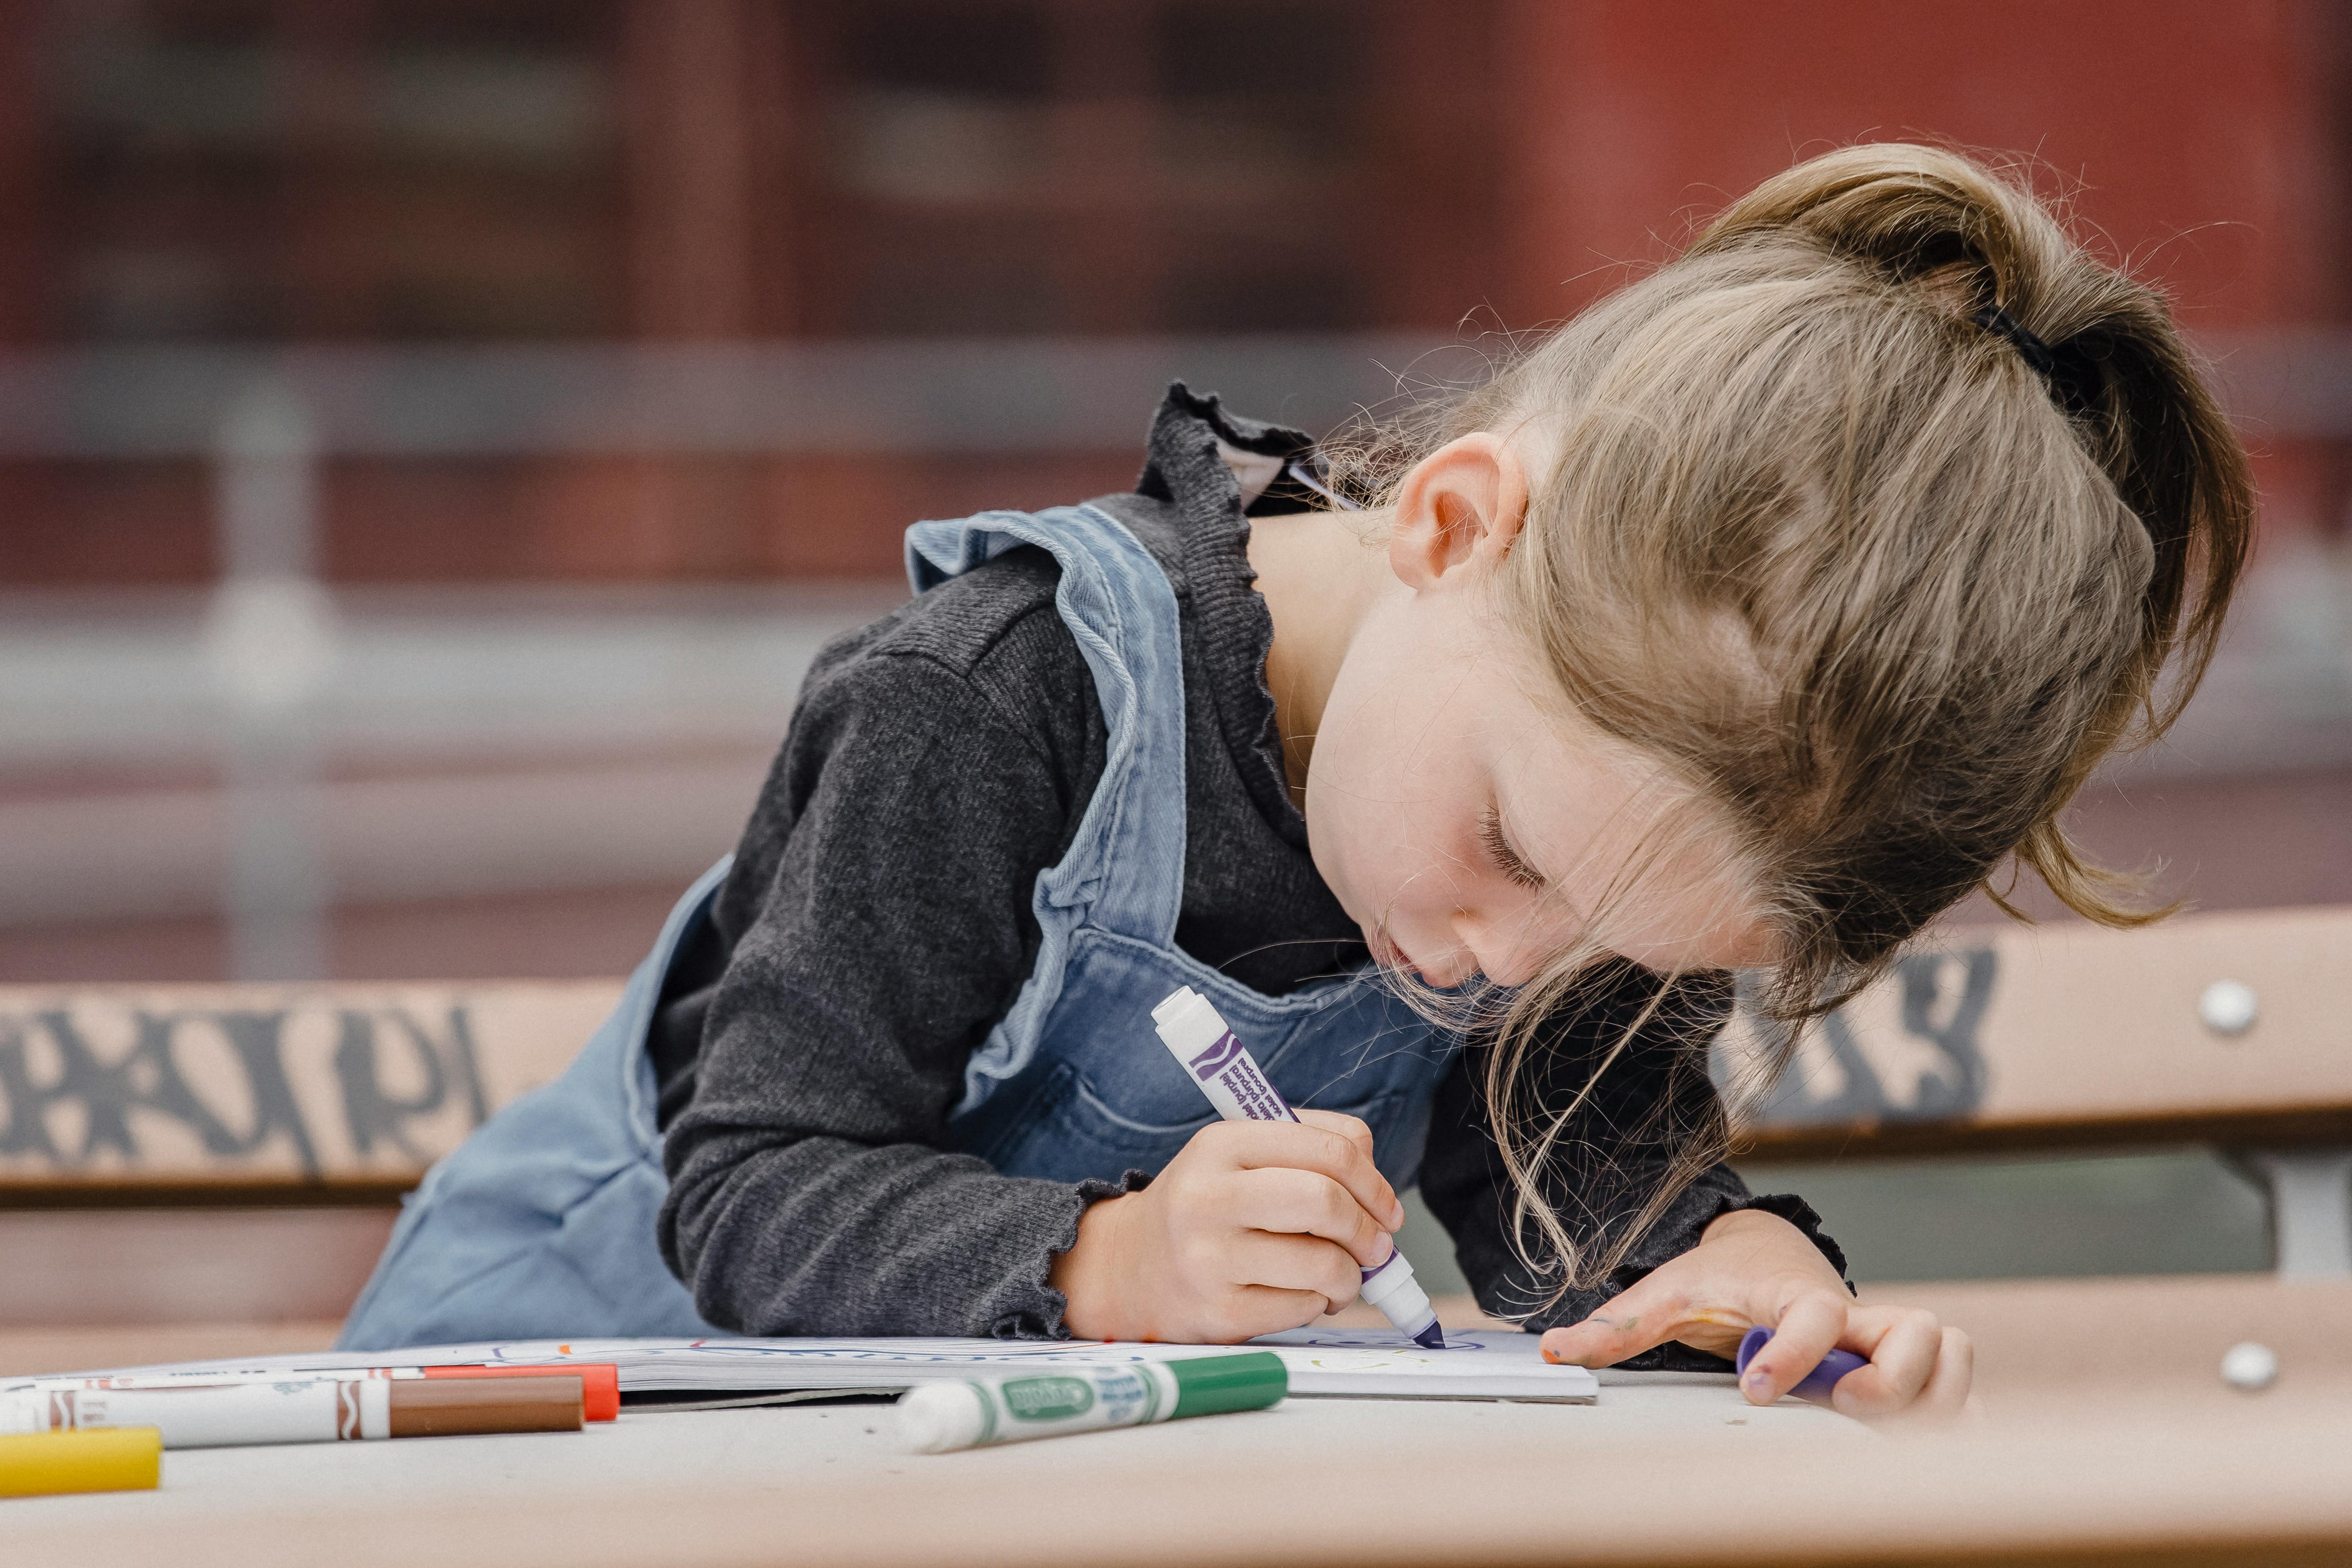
1753, 1268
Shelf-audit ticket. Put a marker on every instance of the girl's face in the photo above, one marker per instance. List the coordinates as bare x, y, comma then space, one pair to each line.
1462, 822
1468, 829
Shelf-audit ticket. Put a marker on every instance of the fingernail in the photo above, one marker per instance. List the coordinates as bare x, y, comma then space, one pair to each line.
1755, 1380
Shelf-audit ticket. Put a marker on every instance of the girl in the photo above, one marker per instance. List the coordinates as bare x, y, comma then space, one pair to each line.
1748, 622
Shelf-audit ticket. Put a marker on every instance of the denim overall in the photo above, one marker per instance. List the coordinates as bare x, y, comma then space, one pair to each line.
542, 1225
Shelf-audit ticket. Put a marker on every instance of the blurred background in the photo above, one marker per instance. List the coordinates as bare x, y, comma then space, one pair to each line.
435, 434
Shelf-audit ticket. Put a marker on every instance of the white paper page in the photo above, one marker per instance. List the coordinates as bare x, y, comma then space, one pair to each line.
1386, 1363
1365, 1362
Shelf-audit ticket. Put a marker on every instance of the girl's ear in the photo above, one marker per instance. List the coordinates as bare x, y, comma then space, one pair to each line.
1460, 506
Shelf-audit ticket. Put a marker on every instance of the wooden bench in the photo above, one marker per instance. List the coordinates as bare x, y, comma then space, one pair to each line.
334, 1098
264, 1094
224, 1159
2229, 1030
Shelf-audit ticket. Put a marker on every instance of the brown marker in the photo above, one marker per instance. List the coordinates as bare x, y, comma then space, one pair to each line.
599, 1382
443, 1405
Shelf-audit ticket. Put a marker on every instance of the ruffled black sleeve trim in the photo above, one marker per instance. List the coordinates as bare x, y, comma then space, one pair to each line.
1041, 1317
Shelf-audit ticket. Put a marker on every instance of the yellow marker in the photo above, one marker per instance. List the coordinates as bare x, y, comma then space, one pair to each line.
122, 1459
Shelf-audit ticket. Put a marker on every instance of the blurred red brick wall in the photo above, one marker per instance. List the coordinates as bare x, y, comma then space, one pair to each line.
2202, 143
1515, 156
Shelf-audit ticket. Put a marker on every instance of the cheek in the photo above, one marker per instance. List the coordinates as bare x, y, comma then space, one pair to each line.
1393, 791
1363, 819
1391, 840
1346, 821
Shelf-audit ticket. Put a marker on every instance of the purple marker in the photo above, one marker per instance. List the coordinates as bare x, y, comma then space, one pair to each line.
1816, 1385
1210, 1055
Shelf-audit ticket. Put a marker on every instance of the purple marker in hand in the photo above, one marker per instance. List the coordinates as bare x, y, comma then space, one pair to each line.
1816, 1385
1194, 1032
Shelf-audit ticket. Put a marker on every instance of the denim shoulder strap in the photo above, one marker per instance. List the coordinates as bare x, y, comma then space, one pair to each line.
1125, 868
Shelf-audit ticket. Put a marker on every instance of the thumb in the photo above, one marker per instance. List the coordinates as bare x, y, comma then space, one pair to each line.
1623, 1326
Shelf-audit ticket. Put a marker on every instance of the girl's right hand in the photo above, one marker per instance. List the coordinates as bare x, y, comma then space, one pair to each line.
1254, 1227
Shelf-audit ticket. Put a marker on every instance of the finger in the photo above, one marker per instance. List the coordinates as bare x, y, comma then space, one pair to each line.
1254, 1309
1947, 1396
1809, 1329
1296, 1263
1301, 1146
1303, 1203
1628, 1323
1904, 1346
1351, 1128
1944, 1398
1360, 1138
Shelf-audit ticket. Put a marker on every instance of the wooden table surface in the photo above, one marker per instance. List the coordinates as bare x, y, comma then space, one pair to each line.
2144, 1459
1651, 1476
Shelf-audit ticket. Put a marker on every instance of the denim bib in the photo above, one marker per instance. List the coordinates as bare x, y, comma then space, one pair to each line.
1073, 1082
542, 1225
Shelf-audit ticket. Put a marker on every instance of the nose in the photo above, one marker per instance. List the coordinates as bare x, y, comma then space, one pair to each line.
1505, 951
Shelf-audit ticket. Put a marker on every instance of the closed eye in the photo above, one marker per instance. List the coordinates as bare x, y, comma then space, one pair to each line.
1498, 849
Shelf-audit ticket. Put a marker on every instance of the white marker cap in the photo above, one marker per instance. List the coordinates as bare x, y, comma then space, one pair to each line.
1187, 1024
938, 1417
1399, 1297
1175, 1002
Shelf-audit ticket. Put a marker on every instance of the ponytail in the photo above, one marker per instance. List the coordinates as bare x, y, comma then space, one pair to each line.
1978, 246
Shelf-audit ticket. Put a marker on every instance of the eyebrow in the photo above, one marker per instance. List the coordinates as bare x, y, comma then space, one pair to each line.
1490, 833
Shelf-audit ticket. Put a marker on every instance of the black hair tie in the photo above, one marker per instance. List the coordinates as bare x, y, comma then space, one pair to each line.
2071, 374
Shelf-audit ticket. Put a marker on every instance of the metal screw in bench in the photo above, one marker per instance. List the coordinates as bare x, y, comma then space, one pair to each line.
2250, 1367
2229, 1008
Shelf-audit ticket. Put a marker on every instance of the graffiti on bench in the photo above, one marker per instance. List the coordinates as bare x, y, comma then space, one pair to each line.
1905, 1051
287, 1088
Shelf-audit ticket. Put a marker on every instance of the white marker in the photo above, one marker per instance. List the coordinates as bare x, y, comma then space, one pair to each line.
304, 1410
937, 1417
1196, 1036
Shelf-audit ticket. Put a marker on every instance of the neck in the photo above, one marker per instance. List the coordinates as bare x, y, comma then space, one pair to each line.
1319, 578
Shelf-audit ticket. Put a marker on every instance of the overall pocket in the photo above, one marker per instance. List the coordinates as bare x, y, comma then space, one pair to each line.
1072, 1132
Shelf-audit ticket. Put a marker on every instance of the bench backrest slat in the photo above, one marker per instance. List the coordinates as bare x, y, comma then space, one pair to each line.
1982, 1039
254, 1086
2020, 1037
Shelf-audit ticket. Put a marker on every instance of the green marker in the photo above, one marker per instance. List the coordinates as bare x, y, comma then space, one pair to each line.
937, 1417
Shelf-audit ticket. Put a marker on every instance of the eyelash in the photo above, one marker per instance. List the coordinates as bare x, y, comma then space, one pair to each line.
1498, 849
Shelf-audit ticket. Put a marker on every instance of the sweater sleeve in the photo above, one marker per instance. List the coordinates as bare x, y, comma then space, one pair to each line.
1616, 1152
883, 899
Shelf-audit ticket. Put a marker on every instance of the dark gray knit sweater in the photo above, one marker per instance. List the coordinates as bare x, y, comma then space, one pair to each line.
812, 1040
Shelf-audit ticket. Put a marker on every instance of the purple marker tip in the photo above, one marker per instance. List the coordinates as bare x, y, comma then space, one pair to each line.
1432, 1338
1815, 1386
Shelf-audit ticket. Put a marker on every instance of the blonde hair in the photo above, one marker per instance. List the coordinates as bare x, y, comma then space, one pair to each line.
1828, 550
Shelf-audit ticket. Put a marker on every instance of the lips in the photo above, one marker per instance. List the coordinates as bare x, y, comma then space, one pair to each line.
1388, 955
